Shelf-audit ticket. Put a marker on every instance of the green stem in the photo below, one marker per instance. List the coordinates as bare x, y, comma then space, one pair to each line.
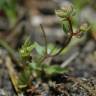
68, 38
45, 38
65, 43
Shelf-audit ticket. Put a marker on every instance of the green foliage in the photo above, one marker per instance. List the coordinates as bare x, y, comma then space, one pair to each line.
40, 49
37, 65
66, 15
52, 49
26, 49
55, 69
65, 27
25, 76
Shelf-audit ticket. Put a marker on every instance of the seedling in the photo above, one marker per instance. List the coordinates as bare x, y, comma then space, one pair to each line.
35, 66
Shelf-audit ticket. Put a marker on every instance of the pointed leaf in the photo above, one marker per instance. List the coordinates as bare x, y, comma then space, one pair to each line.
33, 65
24, 76
52, 49
24, 52
65, 27
55, 69
40, 50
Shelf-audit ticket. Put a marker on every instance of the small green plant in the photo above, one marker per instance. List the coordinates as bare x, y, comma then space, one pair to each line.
35, 65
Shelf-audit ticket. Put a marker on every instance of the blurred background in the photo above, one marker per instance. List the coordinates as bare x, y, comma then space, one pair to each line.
19, 18
22, 18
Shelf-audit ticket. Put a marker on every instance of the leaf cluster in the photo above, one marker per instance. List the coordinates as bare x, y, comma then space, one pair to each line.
36, 66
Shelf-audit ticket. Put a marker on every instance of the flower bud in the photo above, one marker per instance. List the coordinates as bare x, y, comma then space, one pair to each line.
84, 27
65, 11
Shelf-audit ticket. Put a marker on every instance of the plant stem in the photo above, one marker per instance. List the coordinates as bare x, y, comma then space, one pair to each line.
70, 34
45, 38
68, 39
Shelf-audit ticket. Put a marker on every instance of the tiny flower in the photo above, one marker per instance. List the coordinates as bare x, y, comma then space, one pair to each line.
65, 11
84, 27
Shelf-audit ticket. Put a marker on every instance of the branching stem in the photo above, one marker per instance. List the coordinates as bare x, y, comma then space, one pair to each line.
70, 34
68, 38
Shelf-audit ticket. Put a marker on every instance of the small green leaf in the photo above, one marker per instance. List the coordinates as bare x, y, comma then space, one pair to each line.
33, 65
24, 52
52, 49
24, 76
65, 27
55, 69
40, 50
27, 43
26, 49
